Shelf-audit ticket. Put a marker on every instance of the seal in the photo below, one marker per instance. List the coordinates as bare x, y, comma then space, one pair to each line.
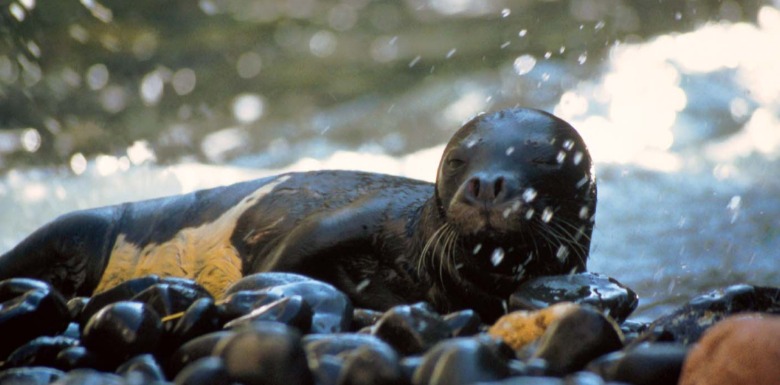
514, 198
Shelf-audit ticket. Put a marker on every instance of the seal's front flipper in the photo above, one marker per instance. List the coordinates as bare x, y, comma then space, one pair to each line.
69, 252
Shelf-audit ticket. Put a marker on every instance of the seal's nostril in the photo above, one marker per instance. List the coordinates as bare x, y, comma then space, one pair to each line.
498, 185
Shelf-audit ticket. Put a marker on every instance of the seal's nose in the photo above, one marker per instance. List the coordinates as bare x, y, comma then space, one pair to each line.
486, 190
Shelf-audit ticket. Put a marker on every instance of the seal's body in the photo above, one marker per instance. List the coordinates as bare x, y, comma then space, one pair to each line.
514, 199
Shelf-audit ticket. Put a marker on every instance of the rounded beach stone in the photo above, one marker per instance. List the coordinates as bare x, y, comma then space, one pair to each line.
204, 371
522, 327
595, 335
739, 350
462, 361
411, 329
463, 323
261, 281
195, 349
292, 311
265, 353
122, 330
29, 308
597, 290
643, 364
41, 351
34, 375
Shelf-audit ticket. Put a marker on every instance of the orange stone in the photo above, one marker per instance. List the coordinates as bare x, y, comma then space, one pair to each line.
522, 327
740, 350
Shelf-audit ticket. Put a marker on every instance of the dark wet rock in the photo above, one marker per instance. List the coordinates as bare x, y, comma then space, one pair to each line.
201, 317
645, 364
30, 376
411, 329
363, 318
632, 330
41, 351
319, 345
76, 305
526, 380
76, 357
195, 349
583, 378
332, 309
141, 369
686, 324
122, 292
463, 323
241, 303
292, 311
597, 290
90, 377
170, 298
260, 281
333, 354
29, 309
462, 361
122, 330
368, 366
409, 365
743, 349
204, 371
578, 338
265, 353
72, 331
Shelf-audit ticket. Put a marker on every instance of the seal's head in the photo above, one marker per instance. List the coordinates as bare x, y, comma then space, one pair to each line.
517, 187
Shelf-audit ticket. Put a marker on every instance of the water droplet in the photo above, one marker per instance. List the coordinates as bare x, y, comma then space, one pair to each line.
31, 140
471, 142
505, 306
678, 16
97, 76
17, 11
584, 212
529, 214
78, 163
547, 55
568, 144
507, 211
506, 12
510, 150
562, 49
600, 25
562, 254
529, 194
451, 52
505, 44
477, 248
183, 81
524, 64
522, 32
497, 256
547, 215
560, 157
577, 158
248, 108
580, 233
362, 285
515, 206
415, 61
583, 181
582, 58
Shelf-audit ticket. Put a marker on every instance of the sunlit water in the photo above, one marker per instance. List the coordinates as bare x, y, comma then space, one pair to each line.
684, 130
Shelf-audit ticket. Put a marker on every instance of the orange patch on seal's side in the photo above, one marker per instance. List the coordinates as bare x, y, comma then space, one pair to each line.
204, 254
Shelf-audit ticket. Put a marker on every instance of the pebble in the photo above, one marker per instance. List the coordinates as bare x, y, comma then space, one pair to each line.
34, 375
522, 327
411, 329
122, 330
204, 371
686, 324
41, 351
597, 290
271, 338
29, 309
332, 309
463, 323
739, 350
643, 364
595, 335
292, 311
462, 360
266, 353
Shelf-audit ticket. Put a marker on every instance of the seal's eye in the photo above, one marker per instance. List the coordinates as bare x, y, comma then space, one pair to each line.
455, 163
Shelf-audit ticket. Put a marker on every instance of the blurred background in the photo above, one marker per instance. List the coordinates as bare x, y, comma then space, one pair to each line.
103, 102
